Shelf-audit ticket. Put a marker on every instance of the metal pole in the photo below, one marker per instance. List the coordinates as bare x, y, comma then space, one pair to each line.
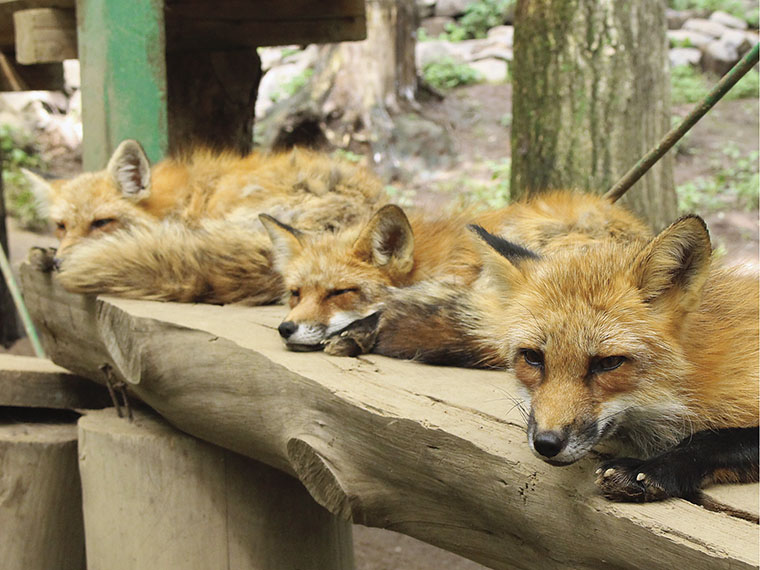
715, 95
31, 332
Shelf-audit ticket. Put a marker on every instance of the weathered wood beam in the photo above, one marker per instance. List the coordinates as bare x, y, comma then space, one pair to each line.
40, 497
45, 35
435, 453
8, 7
38, 383
156, 498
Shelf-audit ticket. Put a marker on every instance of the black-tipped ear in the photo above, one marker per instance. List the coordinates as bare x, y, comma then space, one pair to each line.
513, 252
675, 264
286, 241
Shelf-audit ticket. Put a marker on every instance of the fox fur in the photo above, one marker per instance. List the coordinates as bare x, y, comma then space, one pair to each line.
186, 229
337, 278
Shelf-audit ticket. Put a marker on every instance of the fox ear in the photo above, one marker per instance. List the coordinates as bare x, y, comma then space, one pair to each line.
674, 265
130, 169
285, 239
501, 258
41, 189
387, 241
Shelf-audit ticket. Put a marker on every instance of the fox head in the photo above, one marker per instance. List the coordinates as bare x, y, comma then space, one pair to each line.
334, 279
98, 202
593, 335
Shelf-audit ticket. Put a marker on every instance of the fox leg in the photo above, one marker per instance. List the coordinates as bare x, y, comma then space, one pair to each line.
727, 455
357, 338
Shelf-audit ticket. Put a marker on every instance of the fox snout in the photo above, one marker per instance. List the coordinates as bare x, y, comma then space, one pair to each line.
562, 445
286, 329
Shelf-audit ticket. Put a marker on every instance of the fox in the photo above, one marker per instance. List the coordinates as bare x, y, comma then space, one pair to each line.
338, 281
186, 228
646, 347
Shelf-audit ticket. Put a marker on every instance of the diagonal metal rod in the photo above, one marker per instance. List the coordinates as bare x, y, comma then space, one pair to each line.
716, 93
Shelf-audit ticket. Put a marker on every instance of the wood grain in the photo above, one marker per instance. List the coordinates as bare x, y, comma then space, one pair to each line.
435, 453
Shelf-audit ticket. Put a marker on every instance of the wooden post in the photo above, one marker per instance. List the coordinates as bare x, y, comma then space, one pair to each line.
156, 498
40, 499
8, 324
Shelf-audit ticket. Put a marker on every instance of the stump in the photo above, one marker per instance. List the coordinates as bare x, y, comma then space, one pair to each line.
40, 498
156, 498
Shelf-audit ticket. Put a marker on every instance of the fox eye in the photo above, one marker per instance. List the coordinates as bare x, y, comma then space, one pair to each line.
103, 222
607, 363
295, 292
336, 292
61, 226
533, 357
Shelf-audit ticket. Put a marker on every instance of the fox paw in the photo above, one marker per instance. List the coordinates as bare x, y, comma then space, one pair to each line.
42, 258
631, 480
357, 338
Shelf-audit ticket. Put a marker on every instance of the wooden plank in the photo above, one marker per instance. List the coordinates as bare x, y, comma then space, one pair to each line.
121, 51
40, 497
44, 77
45, 35
435, 453
156, 498
38, 383
226, 34
8, 7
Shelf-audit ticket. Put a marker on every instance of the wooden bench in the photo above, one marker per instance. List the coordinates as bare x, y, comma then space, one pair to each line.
435, 453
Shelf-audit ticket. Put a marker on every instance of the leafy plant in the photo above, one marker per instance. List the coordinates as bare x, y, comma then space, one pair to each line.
478, 18
19, 200
448, 73
292, 85
490, 194
687, 85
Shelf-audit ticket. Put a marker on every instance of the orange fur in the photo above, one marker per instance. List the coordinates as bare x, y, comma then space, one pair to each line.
390, 251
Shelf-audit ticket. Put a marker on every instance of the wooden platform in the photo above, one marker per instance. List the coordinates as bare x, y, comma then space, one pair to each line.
435, 453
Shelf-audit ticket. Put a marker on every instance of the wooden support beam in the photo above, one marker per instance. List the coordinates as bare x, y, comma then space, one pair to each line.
40, 497
45, 35
7, 9
156, 498
436, 453
121, 47
38, 383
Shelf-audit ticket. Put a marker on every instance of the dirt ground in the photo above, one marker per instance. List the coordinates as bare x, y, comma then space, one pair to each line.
477, 118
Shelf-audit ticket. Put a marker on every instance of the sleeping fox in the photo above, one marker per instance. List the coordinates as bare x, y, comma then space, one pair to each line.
336, 279
186, 228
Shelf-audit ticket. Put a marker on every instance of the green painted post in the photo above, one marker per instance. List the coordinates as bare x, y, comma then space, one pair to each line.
121, 52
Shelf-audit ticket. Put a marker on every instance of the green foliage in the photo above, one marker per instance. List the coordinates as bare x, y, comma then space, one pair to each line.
736, 182
347, 155
448, 73
478, 18
688, 85
734, 7
292, 86
487, 194
19, 200
402, 196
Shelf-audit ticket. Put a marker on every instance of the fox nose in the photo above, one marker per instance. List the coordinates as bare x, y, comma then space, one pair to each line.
548, 443
57, 263
286, 329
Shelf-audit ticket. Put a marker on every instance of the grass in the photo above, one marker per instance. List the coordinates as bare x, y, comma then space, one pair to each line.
448, 73
688, 85
736, 182
19, 200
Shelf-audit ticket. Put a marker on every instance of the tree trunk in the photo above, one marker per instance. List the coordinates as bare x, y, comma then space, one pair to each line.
591, 96
358, 89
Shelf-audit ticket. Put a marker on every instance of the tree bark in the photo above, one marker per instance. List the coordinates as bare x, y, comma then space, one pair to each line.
591, 96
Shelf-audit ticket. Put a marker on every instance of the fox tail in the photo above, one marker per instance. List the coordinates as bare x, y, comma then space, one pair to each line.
215, 262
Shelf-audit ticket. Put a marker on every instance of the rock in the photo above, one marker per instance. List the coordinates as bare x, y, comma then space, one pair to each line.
727, 20
71, 76
688, 38
436, 25
451, 8
719, 57
504, 35
492, 69
428, 52
494, 52
676, 18
707, 27
684, 56
425, 8
271, 85
738, 40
